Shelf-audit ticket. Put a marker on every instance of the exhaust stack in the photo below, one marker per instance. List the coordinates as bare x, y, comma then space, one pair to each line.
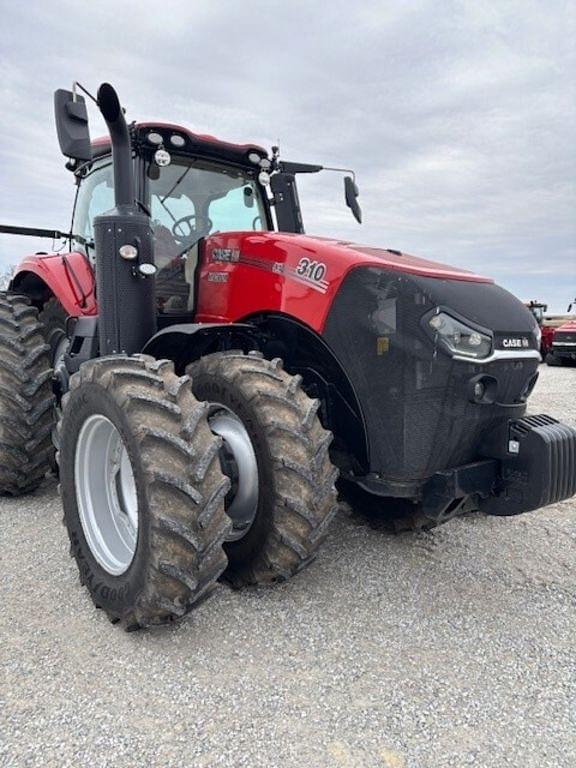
123, 244
112, 113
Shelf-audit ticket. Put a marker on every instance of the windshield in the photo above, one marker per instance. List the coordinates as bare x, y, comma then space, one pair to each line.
95, 196
191, 199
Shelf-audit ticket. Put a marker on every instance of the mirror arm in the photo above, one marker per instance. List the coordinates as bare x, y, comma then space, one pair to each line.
342, 170
293, 168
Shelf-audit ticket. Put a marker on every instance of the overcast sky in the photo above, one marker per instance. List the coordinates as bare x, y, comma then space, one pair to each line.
458, 117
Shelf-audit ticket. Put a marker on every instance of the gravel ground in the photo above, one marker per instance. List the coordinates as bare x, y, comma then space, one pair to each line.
451, 648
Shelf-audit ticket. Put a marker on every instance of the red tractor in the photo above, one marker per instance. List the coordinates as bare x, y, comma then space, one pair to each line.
563, 347
546, 329
562, 354
205, 370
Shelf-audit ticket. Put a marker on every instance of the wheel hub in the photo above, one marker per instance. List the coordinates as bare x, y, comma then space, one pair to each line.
238, 462
106, 494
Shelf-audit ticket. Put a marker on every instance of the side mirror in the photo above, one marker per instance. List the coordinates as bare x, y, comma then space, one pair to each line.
72, 125
351, 194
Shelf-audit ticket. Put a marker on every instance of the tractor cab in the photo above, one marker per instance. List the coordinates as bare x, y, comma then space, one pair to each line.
538, 309
192, 186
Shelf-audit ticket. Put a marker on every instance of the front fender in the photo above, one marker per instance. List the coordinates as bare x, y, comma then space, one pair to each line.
68, 276
185, 342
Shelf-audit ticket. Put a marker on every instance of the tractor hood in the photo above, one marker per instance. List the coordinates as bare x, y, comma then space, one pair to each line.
338, 255
568, 328
354, 254
302, 275
564, 341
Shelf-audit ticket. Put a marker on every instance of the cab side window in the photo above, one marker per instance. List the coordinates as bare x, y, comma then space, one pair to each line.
239, 210
95, 196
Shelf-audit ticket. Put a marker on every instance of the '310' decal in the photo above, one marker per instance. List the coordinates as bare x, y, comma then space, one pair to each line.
313, 273
315, 270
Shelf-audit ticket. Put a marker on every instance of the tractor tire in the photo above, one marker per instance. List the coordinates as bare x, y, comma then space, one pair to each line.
26, 397
558, 362
552, 361
142, 490
53, 318
295, 496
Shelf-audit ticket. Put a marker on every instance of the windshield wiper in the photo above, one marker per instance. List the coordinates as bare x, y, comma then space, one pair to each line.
163, 204
162, 200
178, 181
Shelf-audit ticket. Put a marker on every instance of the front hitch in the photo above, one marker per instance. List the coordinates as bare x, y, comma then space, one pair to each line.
527, 463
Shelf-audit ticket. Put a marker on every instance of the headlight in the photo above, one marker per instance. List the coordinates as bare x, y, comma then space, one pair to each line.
459, 338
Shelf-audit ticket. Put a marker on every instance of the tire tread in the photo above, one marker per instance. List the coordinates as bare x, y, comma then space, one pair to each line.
305, 498
26, 397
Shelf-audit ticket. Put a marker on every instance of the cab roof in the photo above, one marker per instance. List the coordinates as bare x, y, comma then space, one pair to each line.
196, 143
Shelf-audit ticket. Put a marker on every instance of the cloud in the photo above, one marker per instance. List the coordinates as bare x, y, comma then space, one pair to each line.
458, 117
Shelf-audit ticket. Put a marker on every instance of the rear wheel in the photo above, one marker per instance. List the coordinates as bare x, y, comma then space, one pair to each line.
53, 319
275, 451
26, 398
142, 489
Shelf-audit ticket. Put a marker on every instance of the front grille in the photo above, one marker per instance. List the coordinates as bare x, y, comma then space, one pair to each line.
565, 338
415, 397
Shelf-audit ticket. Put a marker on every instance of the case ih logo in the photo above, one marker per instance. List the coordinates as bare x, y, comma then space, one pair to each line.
515, 343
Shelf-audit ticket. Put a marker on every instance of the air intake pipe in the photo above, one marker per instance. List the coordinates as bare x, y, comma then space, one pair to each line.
123, 245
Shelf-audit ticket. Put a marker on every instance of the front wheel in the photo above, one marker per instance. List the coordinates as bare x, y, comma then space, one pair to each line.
142, 489
553, 361
275, 452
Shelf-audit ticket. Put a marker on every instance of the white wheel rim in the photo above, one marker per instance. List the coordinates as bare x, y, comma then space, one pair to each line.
238, 462
106, 494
